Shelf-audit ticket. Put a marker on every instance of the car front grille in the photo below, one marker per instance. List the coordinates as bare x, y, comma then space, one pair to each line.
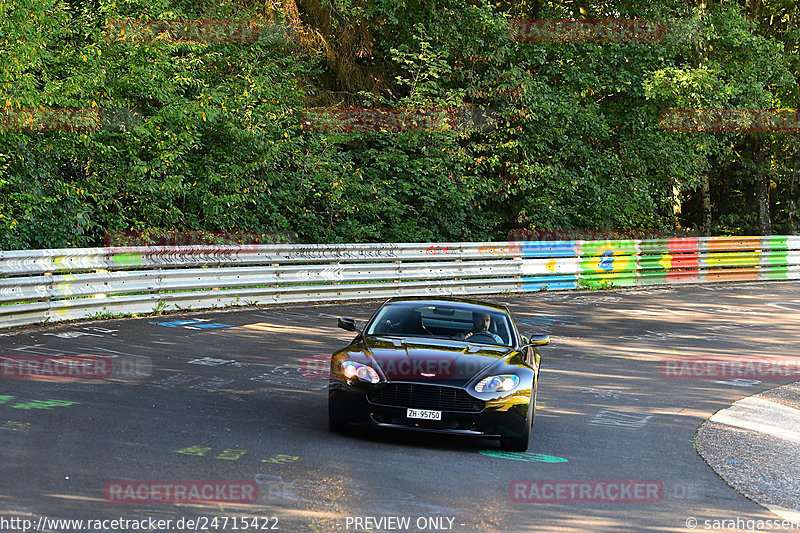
425, 397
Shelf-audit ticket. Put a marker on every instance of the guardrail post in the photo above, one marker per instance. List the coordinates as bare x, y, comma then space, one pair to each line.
47, 299
398, 262
276, 265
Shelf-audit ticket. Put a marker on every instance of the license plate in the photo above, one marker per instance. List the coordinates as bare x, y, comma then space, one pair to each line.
423, 414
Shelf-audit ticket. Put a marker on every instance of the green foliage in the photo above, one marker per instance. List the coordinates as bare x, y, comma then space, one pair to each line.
215, 140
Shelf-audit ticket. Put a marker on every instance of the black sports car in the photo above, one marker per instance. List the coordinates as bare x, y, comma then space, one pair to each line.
442, 365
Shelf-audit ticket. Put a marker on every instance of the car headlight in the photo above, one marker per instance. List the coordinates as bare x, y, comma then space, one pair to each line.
351, 370
502, 383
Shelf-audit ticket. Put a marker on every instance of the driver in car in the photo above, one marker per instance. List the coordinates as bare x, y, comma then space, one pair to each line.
480, 328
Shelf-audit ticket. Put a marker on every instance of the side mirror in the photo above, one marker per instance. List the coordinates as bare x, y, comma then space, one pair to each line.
535, 340
539, 340
348, 324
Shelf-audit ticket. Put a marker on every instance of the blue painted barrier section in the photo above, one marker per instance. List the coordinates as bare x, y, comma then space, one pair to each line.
549, 248
538, 283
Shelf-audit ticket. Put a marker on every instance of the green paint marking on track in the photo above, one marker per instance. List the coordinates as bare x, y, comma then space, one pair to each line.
524, 456
43, 404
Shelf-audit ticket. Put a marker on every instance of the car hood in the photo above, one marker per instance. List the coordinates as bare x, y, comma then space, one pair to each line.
435, 361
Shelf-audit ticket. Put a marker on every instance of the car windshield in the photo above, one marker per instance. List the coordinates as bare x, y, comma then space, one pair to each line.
477, 324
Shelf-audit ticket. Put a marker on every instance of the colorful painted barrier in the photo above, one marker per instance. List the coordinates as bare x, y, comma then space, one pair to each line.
51, 285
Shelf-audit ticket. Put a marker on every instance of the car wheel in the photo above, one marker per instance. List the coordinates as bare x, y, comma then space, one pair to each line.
519, 443
516, 444
335, 427
333, 423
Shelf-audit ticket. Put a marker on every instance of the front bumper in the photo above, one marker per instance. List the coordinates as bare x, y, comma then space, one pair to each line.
502, 416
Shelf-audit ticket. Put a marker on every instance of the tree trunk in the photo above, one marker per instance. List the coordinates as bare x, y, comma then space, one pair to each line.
792, 202
706, 204
704, 179
676, 199
752, 11
762, 184
762, 192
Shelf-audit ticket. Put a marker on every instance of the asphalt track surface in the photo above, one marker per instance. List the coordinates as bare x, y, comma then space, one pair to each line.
220, 396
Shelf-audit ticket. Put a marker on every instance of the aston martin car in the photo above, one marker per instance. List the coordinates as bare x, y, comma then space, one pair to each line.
444, 365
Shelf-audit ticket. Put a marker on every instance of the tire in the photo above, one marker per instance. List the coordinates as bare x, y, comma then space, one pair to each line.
334, 424
520, 443
516, 444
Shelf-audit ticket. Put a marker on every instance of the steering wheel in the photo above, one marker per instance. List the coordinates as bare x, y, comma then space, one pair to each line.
485, 334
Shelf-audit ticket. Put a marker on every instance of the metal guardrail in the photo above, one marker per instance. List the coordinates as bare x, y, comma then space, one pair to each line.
52, 285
